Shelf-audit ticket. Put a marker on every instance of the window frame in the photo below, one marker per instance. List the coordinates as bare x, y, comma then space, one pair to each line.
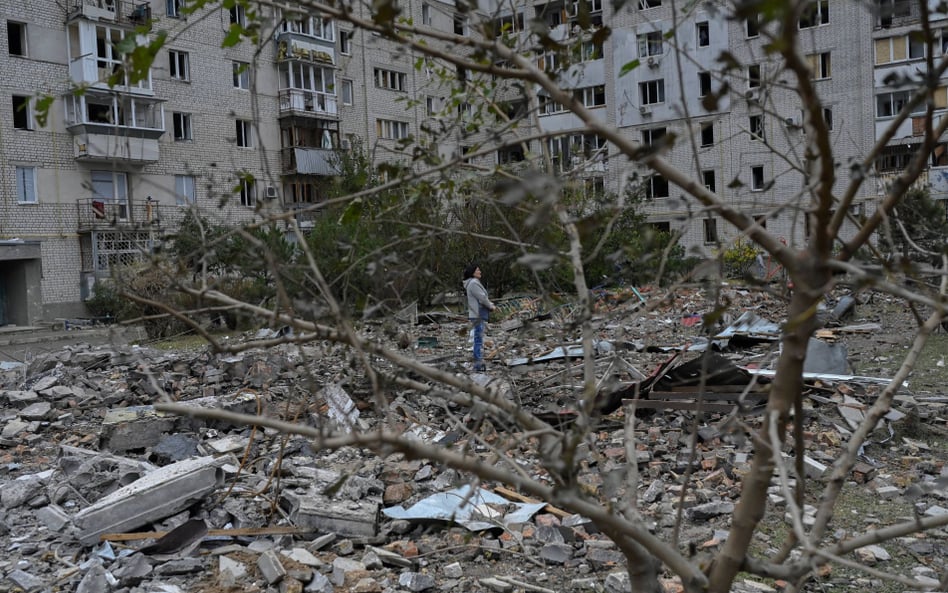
426, 14
179, 60
654, 184
173, 8
391, 129
241, 73
184, 121
22, 112
346, 85
22, 188
244, 133
712, 186
754, 76
814, 15
704, 84
755, 125
707, 129
592, 96
752, 27
238, 15
391, 80
650, 44
185, 190
647, 4
757, 178
711, 236
248, 193
345, 42
23, 51
705, 27
646, 90
650, 136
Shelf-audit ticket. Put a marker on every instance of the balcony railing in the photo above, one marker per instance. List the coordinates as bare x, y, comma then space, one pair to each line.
294, 101
896, 13
115, 113
101, 213
118, 11
310, 161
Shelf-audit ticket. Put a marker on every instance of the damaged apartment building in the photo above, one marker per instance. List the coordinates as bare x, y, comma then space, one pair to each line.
95, 179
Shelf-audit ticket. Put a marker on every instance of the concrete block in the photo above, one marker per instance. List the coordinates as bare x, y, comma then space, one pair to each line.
135, 427
813, 468
270, 567
154, 496
354, 518
53, 516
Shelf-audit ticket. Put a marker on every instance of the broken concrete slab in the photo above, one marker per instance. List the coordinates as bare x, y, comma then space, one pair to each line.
156, 495
823, 357
355, 518
135, 427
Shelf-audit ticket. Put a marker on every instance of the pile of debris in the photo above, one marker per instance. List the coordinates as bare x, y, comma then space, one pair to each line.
102, 492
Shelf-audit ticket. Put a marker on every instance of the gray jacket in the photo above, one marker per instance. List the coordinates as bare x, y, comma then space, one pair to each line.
477, 302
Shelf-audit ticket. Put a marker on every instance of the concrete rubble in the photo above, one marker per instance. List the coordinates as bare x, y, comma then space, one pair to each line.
93, 476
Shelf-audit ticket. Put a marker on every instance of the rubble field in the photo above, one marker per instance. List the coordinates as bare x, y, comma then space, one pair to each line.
101, 492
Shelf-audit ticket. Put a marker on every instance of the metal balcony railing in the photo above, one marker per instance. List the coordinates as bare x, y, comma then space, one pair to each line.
125, 12
101, 213
302, 101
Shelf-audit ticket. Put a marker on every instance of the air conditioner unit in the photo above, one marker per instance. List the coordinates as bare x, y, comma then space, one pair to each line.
271, 192
791, 122
652, 62
645, 110
345, 144
752, 95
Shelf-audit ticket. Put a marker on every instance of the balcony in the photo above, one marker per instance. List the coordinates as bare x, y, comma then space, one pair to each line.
122, 12
111, 126
298, 101
103, 214
309, 161
895, 13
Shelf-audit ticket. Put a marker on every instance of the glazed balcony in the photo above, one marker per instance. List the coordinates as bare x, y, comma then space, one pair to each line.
302, 102
117, 11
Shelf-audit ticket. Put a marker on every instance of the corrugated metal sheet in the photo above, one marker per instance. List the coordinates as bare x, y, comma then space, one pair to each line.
314, 161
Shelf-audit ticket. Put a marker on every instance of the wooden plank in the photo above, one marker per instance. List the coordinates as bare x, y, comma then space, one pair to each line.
683, 405
673, 395
521, 498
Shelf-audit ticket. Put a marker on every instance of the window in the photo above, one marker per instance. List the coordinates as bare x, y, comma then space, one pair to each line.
820, 65
650, 44
179, 65
244, 129
26, 185
548, 106
707, 134
549, 62
511, 154
646, 4
460, 24
916, 47
241, 75
828, 117
752, 26
389, 79
173, 8
345, 42
16, 38
656, 186
704, 84
652, 91
756, 127
590, 50
592, 96
238, 15
707, 177
893, 12
181, 124
710, 230
757, 178
753, 76
248, 193
22, 114
703, 33
816, 14
425, 14
431, 105
508, 23
184, 193
391, 129
651, 136
889, 104
346, 91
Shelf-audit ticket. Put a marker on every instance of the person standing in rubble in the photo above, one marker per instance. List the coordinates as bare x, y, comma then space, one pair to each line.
478, 309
